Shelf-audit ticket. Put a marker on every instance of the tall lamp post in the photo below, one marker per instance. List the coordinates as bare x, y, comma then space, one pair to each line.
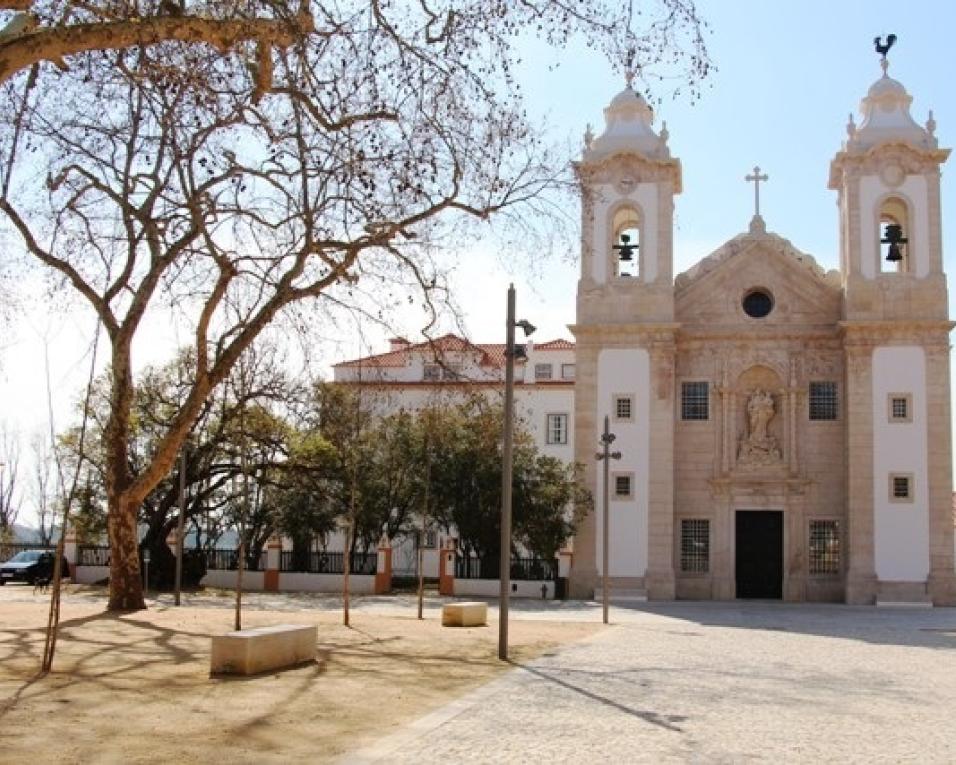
605, 456
504, 572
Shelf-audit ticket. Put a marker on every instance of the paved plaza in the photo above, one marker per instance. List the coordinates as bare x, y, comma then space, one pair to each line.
712, 682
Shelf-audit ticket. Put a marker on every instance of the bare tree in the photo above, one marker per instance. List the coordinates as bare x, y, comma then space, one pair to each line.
43, 487
9, 464
178, 180
54, 31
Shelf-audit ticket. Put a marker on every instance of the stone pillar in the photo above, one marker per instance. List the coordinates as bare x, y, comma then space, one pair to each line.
941, 584
446, 569
71, 551
583, 575
660, 581
724, 585
273, 564
861, 571
383, 572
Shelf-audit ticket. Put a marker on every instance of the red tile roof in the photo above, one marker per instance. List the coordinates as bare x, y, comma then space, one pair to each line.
491, 354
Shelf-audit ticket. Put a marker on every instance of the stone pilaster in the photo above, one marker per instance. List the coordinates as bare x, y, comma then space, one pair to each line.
942, 581
861, 573
583, 575
660, 580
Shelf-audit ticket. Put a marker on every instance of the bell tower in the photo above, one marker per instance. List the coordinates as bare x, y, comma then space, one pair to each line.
625, 343
895, 333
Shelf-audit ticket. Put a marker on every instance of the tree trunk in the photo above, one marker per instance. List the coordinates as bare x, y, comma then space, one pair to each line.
126, 581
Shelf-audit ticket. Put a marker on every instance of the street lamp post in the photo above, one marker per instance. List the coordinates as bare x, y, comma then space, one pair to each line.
504, 571
605, 456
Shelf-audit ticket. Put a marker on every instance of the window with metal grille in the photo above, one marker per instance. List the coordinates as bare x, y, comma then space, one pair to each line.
557, 427
542, 371
694, 401
451, 372
695, 546
901, 487
900, 408
623, 408
823, 400
824, 547
432, 372
622, 486
567, 371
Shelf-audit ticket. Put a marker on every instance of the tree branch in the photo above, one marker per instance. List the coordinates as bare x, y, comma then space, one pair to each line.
52, 44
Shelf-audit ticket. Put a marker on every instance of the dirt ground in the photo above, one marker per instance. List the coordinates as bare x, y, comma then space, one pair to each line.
135, 688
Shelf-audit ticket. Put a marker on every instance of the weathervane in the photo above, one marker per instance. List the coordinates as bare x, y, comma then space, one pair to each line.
884, 48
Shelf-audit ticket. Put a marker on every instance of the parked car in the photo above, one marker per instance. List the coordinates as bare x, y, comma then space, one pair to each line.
30, 565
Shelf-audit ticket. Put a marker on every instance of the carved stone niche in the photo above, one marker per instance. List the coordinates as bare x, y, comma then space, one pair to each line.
759, 435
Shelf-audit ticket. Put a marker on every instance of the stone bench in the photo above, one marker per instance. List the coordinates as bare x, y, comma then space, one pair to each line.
464, 615
249, 652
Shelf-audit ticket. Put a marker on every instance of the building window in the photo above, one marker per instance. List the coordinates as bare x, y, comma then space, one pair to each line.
623, 485
567, 371
432, 372
451, 372
694, 401
430, 539
694, 546
824, 547
557, 428
823, 400
542, 371
901, 487
623, 408
900, 407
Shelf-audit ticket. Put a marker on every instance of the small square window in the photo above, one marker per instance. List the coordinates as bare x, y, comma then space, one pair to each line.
567, 371
432, 372
694, 401
623, 485
899, 407
823, 400
901, 487
623, 408
557, 429
542, 371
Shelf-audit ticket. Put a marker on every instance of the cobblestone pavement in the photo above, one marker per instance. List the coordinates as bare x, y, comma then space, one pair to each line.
711, 682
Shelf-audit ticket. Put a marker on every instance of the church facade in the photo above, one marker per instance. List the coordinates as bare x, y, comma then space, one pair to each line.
784, 432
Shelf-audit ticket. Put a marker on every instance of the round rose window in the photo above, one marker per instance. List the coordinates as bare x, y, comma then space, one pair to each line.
758, 303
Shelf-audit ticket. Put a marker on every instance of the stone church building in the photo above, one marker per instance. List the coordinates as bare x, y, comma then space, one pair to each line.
784, 431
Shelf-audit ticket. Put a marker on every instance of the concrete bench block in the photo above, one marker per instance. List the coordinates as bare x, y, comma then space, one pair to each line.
464, 615
249, 652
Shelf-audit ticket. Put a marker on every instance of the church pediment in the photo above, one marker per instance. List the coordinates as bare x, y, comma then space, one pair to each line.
712, 292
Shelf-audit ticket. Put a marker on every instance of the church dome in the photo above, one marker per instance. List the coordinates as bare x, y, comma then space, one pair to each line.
886, 117
628, 119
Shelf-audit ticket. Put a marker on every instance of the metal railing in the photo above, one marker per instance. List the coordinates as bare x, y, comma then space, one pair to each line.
328, 563
9, 549
522, 569
228, 560
93, 555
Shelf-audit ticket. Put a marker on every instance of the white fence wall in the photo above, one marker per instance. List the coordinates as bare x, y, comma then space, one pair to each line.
491, 588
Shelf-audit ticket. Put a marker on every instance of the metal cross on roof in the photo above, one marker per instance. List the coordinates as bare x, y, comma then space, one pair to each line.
756, 178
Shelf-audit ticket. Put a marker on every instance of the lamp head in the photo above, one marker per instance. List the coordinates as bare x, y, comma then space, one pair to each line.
526, 326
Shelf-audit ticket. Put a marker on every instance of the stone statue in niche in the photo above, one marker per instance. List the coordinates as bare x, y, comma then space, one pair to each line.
758, 447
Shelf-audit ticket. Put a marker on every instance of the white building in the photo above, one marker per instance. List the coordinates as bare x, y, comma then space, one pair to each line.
412, 376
